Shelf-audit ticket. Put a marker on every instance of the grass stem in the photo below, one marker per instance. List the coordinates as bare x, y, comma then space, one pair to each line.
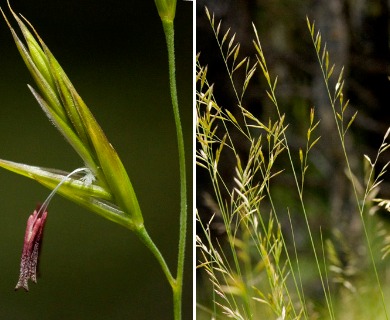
178, 288
147, 240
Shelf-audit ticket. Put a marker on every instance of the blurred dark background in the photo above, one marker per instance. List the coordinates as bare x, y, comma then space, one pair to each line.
357, 36
114, 53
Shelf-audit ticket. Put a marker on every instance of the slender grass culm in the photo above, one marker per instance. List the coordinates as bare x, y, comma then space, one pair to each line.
258, 268
105, 188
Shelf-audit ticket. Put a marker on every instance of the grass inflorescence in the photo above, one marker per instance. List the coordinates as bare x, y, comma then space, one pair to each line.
255, 267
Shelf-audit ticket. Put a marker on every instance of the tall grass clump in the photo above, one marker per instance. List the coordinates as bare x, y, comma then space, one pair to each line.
256, 267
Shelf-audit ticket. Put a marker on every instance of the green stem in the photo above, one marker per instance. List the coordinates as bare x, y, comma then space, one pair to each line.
145, 238
178, 288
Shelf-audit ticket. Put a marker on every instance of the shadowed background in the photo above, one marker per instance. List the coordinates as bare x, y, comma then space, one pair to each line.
115, 55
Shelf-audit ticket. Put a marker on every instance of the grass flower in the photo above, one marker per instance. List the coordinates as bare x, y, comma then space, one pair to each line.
67, 111
106, 188
34, 233
31, 247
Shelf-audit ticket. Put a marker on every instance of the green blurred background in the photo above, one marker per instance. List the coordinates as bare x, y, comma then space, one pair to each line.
114, 53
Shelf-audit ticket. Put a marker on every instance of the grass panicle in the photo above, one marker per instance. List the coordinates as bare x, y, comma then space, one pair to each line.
255, 270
